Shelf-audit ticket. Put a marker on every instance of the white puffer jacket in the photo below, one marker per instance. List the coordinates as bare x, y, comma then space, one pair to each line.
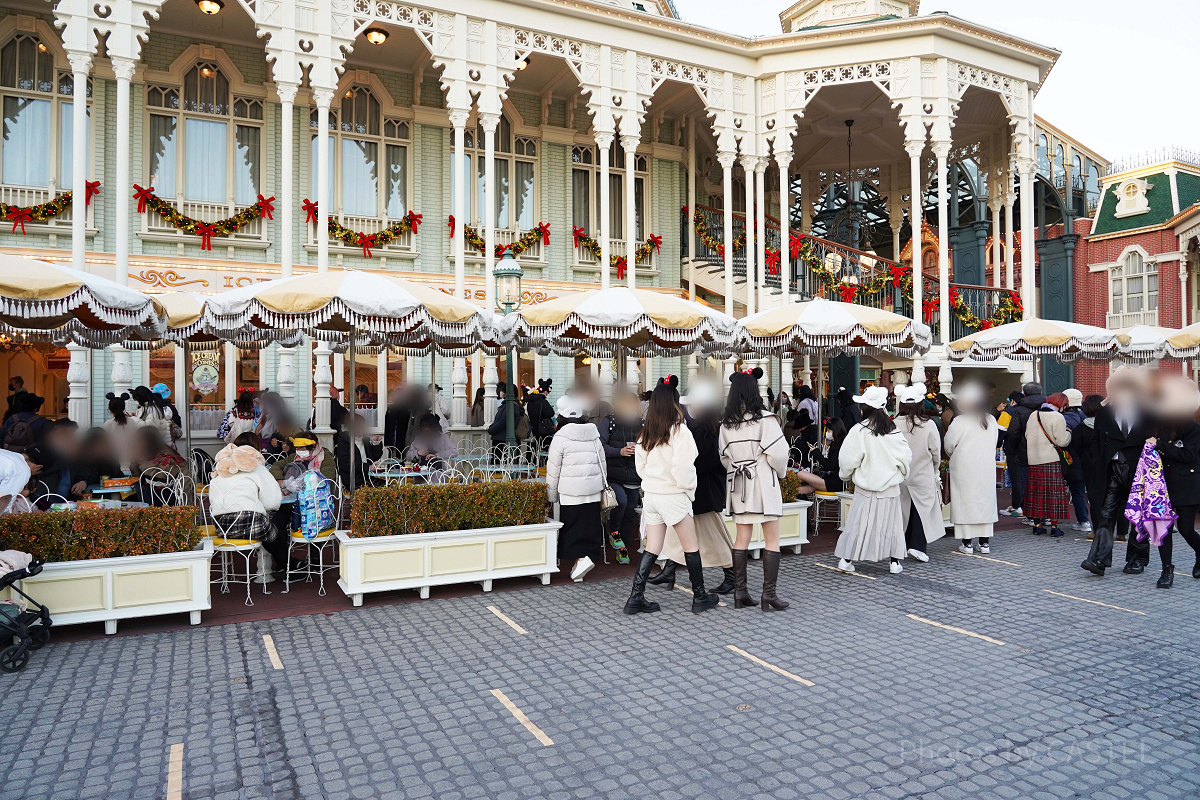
576, 470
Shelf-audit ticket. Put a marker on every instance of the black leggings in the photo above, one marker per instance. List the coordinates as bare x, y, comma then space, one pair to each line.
1187, 529
914, 534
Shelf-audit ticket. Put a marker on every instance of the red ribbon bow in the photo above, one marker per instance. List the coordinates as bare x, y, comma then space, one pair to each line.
451, 225
621, 266
848, 291
656, 241
897, 272
19, 216
578, 233
544, 230
986, 324
928, 305
310, 211
366, 242
143, 196
794, 244
266, 205
206, 231
500, 250
772, 262
91, 189
721, 250
414, 219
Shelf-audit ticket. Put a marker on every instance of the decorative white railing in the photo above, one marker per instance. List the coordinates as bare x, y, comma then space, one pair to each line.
255, 230
401, 244
25, 196
1126, 320
584, 257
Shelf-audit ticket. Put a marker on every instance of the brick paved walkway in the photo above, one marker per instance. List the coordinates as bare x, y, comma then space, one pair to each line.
961, 678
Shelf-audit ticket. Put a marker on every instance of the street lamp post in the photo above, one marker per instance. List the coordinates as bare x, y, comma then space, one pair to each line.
508, 299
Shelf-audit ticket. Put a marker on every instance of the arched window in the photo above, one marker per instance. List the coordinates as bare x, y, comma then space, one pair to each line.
1043, 155
1093, 187
1060, 166
585, 190
368, 157
515, 177
204, 143
36, 149
1133, 292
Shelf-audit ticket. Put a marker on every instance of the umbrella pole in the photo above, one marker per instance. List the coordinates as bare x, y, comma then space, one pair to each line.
187, 407
820, 399
353, 409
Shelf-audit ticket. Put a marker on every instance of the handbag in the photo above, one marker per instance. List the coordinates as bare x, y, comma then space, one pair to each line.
1064, 458
608, 497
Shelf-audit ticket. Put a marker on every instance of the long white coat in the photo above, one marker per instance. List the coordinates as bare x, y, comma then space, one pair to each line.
972, 451
920, 488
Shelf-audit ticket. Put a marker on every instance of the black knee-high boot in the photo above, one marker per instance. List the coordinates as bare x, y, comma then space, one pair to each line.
637, 603
701, 599
726, 585
771, 601
665, 576
741, 597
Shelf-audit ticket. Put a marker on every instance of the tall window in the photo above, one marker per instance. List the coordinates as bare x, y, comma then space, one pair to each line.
515, 177
585, 191
1059, 167
36, 148
1043, 155
1133, 289
205, 144
368, 156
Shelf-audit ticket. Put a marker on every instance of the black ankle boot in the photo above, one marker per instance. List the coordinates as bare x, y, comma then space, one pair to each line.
665, 576
726, 585
741, 597
637, 603
770, 602
701, 599
1196, 570
1167, 579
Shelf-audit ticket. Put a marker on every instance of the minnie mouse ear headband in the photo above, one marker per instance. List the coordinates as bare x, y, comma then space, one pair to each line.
754, 374
670, 380
544, 385
913, 393
111, 396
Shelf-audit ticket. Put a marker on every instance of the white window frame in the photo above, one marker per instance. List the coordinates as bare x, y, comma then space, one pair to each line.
616, 195
1134, 267
511, 148
12, 28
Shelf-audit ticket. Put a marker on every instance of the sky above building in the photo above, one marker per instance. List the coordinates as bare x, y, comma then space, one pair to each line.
1116, 86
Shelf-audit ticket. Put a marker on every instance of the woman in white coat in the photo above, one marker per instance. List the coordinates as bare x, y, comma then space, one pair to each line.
920, 494
875, 458
755, 454
971, 445
576, 474
242, 497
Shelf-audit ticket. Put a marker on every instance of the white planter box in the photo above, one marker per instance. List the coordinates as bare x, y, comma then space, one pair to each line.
421, 560
793, 529
111, 589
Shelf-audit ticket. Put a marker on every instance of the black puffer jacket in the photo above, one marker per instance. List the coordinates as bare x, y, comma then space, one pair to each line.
1014, 437
710, 471
614, 433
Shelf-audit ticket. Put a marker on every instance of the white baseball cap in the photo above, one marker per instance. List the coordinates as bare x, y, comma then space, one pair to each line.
874, 396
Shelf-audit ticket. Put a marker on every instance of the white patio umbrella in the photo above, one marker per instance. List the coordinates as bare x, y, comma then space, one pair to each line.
1028, 339
1143, 342
40, 301
1185, 343
821, 327
606, 322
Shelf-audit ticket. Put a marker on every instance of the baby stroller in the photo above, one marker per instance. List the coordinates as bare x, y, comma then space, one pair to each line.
31, 628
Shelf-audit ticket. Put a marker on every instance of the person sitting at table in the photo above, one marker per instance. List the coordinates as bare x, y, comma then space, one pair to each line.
241, 418
366, 450
26, 426
242, 496
431, 446
303, 454
248, 439
96, 461
122, 427
47, 470
151, 457
14, 484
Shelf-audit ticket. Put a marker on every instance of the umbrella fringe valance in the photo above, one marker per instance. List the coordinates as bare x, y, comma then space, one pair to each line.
689, 338
795, 339
311, 321
81, 297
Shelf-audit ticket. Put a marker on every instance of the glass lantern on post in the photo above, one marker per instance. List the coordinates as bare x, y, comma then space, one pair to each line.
508, 274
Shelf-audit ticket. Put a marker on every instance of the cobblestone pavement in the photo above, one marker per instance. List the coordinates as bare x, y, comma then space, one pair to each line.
1063, 698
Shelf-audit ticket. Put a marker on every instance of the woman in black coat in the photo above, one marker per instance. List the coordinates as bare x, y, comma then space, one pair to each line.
1087, 449
1178, 443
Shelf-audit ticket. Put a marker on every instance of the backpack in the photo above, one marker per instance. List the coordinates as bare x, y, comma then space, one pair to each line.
20, 435
521, 427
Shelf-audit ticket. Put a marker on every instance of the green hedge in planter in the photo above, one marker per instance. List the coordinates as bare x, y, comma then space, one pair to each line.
108, 533
423, 508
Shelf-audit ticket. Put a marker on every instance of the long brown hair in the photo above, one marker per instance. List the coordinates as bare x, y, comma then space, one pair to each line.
662, 415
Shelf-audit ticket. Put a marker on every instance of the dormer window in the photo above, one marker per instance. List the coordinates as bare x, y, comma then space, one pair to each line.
1131, 198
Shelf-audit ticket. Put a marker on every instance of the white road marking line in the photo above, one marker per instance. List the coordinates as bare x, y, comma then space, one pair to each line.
952, 628
855, 574
693, 594
985, 558
175, 773
771, 667
537, 732
1095, 602
272, 653
506, 620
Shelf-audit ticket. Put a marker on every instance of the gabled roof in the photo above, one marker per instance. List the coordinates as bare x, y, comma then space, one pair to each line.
1158, 197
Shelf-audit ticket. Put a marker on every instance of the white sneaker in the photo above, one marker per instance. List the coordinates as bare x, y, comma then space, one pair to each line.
896, 568
966, 549
985, 549
845, 566
1085, 527
918, 555
582, 567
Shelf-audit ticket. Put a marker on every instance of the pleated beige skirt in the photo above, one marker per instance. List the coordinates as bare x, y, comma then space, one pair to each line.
872, 531
712, 537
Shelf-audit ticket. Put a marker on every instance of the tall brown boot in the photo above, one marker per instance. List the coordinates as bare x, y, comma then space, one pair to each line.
771, 602
741, 597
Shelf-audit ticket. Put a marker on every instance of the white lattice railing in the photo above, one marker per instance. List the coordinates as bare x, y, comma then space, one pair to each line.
36, 195
1126, 320
586, 258
368, 225
255, 230
505, 237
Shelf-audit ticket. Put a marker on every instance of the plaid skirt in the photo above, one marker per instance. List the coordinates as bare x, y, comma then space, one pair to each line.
1046, 494
247, 525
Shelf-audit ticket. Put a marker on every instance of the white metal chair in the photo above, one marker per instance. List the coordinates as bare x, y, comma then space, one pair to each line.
323, 541
227, 547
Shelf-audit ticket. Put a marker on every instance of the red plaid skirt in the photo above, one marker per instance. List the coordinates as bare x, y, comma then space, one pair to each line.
1046, 494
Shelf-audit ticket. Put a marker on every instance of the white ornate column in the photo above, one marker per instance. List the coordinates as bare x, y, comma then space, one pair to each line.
941, 151
490, 122
81, 64
606, 379
322, 379
749, 163
322, 373
914, 148
79, 378
1010, 237
783, 158
1025, 165
687, 223
463, 179
285, 370
122, 370
629, 144
727, 159
604, 140
760, 220
997, 273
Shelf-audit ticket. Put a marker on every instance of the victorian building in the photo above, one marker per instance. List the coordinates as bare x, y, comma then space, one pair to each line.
598, 143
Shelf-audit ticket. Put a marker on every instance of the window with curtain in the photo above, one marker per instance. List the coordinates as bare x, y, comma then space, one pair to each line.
204, 143
368, 157
35, 98
585, 191
515, 177
1133, 288
1043, 155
